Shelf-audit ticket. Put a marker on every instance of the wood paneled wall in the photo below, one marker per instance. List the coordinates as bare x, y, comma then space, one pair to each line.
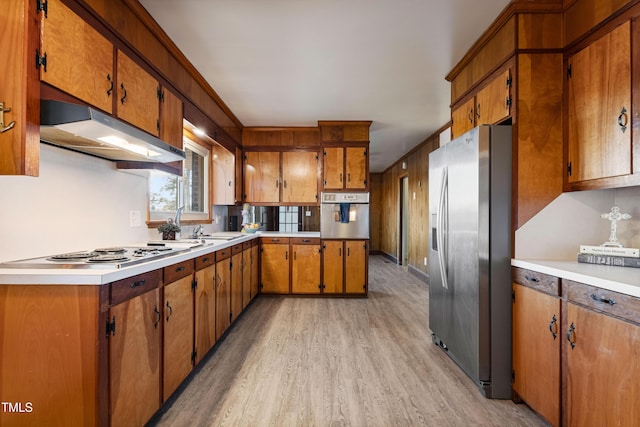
385, 206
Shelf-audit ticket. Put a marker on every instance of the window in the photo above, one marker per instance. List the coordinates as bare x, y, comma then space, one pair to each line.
167, 192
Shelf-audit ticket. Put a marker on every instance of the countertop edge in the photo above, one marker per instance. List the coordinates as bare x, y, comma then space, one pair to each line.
625, 280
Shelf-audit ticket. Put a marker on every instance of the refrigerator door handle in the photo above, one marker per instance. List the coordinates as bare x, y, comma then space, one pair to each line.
444, 186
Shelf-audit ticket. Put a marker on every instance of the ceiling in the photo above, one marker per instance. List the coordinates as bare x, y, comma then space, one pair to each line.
294, 62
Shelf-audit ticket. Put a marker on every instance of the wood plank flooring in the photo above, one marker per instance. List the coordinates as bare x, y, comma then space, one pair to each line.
337, 362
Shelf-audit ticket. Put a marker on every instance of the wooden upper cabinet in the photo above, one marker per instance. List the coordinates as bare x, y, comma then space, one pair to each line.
79, 60
223, 176
137, 95
262, 177
463, 118
171, 118
345, 168
300, 177
599, 108
493, 102
333, 170
19, 90
356, 168
281, 177
491, 105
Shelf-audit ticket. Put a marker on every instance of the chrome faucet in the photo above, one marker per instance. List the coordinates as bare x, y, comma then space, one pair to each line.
197, 231
176, 221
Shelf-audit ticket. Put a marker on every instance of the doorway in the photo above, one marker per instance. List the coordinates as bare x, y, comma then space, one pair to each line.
403, 235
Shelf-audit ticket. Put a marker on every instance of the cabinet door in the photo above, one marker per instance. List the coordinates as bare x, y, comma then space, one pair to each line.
223, 296
463, 118
223, 176
493, 102
536, 351
246, 277
171, 116
205, 331
333, 266
300, 177
236, 286
602, 370
599, 118
275, 269
137, 90
305, 269
333, 168
355, 266
19, 90
255, 270
262, 177
134, 359
356, 168
178, 333
79, 58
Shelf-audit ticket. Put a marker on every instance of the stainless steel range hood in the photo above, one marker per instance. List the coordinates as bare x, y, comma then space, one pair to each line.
90, 131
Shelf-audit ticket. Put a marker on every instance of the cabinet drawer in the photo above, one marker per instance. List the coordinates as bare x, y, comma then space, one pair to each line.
205, 261
236, 249
277, 240
247, 244
125, 289
612, 303
539, 281
305, 240
223, 254
178, 271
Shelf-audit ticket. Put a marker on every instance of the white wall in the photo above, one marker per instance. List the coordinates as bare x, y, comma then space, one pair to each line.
77, 203
573, 219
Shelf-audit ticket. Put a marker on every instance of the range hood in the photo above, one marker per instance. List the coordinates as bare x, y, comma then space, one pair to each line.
87, 130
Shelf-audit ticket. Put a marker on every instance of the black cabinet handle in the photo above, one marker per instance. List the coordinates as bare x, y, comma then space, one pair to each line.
605, 300
306, 240
111, 86
571, 336
553, 326
623, 120
125, 93
181, 268
205, 259
138, 283
532, 279
158, 316
170, 311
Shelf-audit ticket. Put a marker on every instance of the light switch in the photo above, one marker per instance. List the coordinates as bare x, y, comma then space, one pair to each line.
134, 218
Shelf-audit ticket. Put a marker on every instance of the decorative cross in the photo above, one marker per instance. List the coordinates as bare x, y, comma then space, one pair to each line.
614, 216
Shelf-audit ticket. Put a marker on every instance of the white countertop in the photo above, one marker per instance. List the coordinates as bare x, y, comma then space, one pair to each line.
625, 280
95, 276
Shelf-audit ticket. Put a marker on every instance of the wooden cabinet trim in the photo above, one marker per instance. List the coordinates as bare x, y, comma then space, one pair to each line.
223, 254
305, 240
178, 271
205, 260
539, 281
612, 303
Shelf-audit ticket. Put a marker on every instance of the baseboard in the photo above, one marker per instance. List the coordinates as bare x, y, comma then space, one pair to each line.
389, 257
419, 274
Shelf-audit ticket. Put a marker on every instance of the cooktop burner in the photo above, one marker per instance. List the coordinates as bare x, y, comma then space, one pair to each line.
114, 257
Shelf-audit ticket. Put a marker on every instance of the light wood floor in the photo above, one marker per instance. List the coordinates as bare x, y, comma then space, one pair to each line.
337, 362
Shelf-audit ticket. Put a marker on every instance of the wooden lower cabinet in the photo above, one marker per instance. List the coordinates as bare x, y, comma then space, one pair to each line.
205, 306
355, 267
255, 268
602, 348
274, 266
536, 350
246, 274
223, 291
134, 359
178, 333
237, 259
305, 266
333, 266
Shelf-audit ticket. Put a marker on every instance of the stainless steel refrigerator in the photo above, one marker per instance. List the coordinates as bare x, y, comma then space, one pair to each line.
470, 253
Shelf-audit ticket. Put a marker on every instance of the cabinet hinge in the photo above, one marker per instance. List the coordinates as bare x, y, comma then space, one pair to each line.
324, 182
41, 5
569, 75
321, 286
41, 60
513, 296
160, 94
194, 356
194, 284
513, 376
111, 326
324, 153
365, 182
508, 102
569, 169
158, 125
317, 157
365, 153
509, 81
230, 265
230, 315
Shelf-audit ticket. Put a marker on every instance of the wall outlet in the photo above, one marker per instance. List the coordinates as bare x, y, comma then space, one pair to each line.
425, 260
134, 219
307, 213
